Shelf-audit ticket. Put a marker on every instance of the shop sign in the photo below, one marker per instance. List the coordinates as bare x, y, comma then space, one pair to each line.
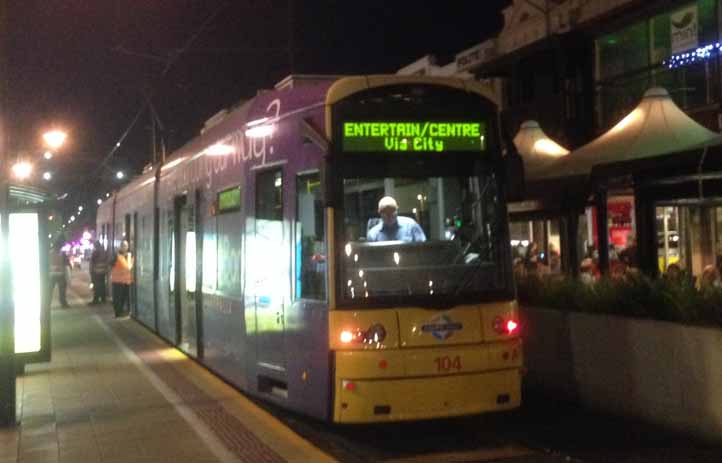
474, 56
683, 29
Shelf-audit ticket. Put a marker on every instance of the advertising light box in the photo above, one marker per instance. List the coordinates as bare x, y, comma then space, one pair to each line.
24, 248
414, 136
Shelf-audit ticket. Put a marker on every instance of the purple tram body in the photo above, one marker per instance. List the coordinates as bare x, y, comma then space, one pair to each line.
222, 321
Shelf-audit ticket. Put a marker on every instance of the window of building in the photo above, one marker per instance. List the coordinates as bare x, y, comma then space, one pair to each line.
535, 247
624, 51
630, 62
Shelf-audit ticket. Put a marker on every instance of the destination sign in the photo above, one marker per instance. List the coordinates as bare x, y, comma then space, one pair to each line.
423, 136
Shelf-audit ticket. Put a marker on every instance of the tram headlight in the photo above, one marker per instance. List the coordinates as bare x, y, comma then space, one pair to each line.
346, 336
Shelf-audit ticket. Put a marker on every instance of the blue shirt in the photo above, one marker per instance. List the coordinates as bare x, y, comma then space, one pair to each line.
406, 229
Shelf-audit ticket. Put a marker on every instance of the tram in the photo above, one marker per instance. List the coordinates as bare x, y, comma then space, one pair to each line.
254, 252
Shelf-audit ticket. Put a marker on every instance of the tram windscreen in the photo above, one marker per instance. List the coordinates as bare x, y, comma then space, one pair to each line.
432, 236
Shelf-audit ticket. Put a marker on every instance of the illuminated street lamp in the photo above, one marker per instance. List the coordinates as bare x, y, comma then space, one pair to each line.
80, 208
22, 170
99, 201
48, 155
120, 175
47, 175
55, 138
107, 195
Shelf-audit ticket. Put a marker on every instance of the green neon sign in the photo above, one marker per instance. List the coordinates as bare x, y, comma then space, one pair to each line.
421, 136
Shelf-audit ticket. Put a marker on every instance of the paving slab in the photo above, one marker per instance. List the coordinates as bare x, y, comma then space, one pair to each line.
113, 392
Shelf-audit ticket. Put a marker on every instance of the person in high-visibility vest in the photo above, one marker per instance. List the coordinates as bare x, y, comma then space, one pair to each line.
59, 267
121, 278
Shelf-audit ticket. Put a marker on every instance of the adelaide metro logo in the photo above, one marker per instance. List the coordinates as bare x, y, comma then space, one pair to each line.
441, 327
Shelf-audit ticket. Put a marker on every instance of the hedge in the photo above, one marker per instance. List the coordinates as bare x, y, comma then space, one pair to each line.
634, 296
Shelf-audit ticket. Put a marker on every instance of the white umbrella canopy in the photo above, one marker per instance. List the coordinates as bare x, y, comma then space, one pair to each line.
656, 127
536, 148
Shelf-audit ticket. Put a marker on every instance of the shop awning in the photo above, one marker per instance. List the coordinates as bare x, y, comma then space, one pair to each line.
536, 148
656, 127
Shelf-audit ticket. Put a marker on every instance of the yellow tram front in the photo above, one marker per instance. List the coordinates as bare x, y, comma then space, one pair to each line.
423, 322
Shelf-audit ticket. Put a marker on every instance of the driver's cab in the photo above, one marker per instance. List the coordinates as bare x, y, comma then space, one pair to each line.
456, 247
434, 150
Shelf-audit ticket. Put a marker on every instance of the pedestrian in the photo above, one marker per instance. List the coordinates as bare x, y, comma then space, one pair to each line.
121, 278
98, 272
59, 266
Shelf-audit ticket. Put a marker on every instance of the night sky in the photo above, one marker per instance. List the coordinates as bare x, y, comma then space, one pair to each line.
88, 65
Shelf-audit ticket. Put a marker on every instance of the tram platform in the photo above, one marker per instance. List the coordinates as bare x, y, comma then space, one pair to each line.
113, 392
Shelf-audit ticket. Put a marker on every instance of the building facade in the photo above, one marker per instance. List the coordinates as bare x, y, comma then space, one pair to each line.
578, 67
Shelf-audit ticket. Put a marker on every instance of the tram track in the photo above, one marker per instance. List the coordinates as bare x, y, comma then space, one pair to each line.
457, 440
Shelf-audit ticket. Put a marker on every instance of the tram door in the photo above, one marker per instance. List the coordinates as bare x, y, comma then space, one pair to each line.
183, 291
268, 268
130, 234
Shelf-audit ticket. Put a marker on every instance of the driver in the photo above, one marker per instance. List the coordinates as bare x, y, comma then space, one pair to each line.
392, 227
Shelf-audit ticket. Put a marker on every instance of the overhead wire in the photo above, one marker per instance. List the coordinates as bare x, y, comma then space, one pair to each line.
147, 100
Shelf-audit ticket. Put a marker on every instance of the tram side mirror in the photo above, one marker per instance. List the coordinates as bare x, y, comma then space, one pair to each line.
328, 185
513, 165
514, 176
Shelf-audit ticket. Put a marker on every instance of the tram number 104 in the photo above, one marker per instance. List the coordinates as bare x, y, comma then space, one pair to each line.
447, 363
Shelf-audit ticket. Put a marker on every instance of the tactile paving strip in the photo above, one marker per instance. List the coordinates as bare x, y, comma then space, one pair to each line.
234, 435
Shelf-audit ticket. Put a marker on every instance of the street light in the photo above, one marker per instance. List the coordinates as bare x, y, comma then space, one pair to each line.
99, 201
80, 208
120, 175
22, 170
48, 155
55, 138
47, 175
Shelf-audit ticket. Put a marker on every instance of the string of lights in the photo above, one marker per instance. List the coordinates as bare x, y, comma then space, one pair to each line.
689, 57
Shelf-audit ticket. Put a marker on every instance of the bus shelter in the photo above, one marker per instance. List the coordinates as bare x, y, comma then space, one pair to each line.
654, 160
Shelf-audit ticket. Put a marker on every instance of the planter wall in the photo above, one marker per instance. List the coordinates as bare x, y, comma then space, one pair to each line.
665, 373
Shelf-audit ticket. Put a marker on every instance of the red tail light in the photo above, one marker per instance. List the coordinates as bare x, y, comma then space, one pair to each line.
511, 326
502, 326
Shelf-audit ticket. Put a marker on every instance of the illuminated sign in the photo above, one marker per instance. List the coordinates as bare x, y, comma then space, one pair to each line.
229, 200
25, 259
425, 136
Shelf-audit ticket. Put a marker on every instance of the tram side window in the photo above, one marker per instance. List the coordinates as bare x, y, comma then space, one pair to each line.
310, 239
269, 200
